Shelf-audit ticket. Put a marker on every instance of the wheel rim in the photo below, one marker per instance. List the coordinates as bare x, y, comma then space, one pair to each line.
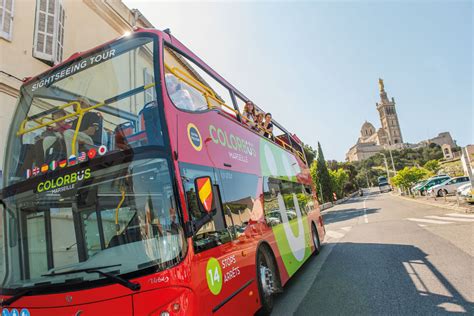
266, 279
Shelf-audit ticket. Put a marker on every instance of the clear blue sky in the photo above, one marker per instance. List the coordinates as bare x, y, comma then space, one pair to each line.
315, 65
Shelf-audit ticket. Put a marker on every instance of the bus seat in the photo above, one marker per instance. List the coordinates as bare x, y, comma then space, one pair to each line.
150, 123
121, 132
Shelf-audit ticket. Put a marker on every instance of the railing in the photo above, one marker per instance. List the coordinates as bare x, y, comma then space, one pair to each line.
79, 112
208, 93
205, 91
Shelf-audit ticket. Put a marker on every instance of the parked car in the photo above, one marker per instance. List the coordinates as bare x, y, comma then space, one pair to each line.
463, 189
418, 185
470, 195
432, 182
448, 186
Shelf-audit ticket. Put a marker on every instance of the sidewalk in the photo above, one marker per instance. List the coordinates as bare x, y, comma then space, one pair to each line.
450, 202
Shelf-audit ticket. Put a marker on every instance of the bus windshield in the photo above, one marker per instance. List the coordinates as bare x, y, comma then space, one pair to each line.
95, 105
123, 216
87, 179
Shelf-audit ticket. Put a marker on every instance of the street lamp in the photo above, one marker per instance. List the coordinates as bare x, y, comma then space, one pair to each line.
386, 164
391, 158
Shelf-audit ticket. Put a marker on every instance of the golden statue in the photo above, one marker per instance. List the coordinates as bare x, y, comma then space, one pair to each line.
381, 84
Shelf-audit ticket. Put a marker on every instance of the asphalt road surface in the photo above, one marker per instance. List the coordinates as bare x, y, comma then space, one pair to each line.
386, 255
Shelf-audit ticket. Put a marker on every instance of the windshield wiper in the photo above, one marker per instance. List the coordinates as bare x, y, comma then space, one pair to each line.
15, 297
130, 285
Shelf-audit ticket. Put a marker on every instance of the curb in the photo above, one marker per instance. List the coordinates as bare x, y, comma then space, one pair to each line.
341, 201
449, 207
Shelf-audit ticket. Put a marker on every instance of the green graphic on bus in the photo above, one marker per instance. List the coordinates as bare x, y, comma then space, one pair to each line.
292, 234
214, 276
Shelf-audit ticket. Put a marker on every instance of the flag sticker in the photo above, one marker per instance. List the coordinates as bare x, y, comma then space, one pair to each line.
36, 171
82, 156
102, 150
28, 173
53, 165
92, 153
44, 168
63, 163
72, 160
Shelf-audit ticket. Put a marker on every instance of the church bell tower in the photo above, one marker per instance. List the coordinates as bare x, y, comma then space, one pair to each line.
389, 117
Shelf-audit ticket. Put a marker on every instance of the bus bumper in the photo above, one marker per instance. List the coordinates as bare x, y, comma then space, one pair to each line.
171, 301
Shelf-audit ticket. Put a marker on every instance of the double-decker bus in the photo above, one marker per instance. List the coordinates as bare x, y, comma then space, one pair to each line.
132, 186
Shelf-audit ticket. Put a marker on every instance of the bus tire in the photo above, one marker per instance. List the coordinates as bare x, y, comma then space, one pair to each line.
267, 280
316, 241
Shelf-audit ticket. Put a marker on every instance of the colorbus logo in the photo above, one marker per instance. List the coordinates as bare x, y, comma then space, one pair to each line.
231, 141
194, 137
63, 183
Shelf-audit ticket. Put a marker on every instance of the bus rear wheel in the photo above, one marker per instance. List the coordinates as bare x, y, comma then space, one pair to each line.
315, 237
266, 279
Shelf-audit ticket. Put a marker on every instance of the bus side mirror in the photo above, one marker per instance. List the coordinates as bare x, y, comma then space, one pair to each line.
206, 202
203, 187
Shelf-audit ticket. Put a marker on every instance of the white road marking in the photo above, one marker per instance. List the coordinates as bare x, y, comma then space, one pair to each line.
461, 215
347, 228
334, 234
456, 219
421, 225
366, 219
431, 221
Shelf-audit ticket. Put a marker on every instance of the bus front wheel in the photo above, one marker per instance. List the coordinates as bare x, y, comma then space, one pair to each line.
267, 279
315, 237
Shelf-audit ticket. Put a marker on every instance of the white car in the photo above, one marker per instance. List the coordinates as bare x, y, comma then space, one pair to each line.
448, 187
464, 189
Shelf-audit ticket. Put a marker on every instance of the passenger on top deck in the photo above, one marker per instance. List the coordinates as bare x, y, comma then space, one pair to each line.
180, 96
259, 123
248, 115
268, 126
55, 132
88, 134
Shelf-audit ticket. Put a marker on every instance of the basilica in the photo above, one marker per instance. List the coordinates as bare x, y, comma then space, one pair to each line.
372, 140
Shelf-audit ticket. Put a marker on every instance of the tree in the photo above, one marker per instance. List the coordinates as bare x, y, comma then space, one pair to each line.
432, 165
322, 175
333, 164
407, 177
339, 179
310, 153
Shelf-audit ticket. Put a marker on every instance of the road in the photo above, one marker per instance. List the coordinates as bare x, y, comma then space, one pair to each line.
386, 255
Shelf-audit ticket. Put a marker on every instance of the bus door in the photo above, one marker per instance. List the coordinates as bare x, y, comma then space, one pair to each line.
48, 235
241, 205
215, 261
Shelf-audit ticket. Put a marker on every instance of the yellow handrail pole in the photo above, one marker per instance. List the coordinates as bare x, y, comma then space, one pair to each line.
76, 132
117, 227
22, 127
209, 90
209, 105
207, 93
148, 86
22, 130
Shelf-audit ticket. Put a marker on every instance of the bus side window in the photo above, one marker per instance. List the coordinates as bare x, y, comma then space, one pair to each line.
309, 199
288, 190
239, 192
271, 190
215, 232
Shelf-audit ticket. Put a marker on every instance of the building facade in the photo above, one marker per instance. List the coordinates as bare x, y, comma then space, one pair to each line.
34, 35
372, 140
